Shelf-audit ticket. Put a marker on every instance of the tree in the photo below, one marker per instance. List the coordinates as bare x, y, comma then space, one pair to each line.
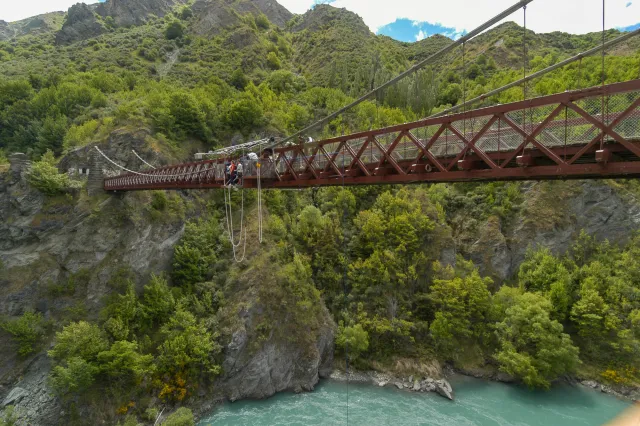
158, 302
533, 347
461, 305
188, 346
27, 330
175, 29
238, 79
124, 362
79, 339
43, 175
353, 339
76, 377
542, 272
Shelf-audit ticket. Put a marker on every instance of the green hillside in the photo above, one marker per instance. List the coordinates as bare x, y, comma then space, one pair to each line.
404, 276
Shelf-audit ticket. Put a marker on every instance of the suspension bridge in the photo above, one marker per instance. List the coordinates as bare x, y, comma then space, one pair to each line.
562, 136
589, 133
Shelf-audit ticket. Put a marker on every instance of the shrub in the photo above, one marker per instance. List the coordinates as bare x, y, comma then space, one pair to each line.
79, 339
181, 417
273, 61
174, 30
10, 418
76, 377
354, 340
262, 21
27, 330
44, 176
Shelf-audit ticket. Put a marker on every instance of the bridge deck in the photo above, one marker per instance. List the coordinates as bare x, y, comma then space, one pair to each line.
562, 136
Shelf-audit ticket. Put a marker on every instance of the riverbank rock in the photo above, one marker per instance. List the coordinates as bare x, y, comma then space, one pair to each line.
275, 345
443, 387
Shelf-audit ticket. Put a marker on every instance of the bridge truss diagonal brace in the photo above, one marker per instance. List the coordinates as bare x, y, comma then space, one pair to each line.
472, 144
531, 139
387, 155
539, 129
425, 149
284, 158
356, 160
609, 128
331, 159
309, 162
604, 129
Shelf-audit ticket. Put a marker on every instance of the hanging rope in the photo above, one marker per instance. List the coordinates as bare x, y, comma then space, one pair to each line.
258, 168
141, 159
344, 273
229, 220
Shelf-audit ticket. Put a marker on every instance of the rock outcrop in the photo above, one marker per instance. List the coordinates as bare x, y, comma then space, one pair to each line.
273, 347
5, 31
552, 215
81, 24
126, 13
211, 16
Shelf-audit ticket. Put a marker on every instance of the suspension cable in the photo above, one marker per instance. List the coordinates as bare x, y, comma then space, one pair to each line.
411, 70
149, 174
141, 159
602, 107
524, 78
610, 43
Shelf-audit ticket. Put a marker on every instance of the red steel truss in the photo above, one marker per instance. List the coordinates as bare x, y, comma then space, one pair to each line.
562, 136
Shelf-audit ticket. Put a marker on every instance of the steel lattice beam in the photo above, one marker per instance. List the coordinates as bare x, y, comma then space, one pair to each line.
528, 140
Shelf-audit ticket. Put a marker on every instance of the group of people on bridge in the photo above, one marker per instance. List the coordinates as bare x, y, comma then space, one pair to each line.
234, 171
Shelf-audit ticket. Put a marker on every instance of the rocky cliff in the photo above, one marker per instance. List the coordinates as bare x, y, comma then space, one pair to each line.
134, 12
46, 243
552, 215
81, 23
211, 16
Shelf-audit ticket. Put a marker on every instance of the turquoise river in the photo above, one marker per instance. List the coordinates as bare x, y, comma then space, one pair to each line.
477, 403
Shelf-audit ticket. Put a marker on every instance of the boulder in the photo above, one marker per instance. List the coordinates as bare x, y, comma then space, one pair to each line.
15, 396
443, 387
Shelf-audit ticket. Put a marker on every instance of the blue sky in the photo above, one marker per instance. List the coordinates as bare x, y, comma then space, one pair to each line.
411, 20
404, 29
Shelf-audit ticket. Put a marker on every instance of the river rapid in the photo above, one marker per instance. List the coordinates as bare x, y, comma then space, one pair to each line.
478, 403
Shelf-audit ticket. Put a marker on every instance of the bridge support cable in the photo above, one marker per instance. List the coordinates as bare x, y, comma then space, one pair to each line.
152, 175
410, 71
259, 184
141, 159
540, 73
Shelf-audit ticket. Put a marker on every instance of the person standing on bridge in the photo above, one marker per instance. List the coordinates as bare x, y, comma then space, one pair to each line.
239, 172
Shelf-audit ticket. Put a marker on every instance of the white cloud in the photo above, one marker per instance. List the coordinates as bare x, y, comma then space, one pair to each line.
573, 16
421, 35
12, 10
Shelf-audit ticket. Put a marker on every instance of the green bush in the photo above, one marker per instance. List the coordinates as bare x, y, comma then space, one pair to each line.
28, 331
174, 30
79, 339
9, 417
44, 176
353, 339
76, 377
181, 417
